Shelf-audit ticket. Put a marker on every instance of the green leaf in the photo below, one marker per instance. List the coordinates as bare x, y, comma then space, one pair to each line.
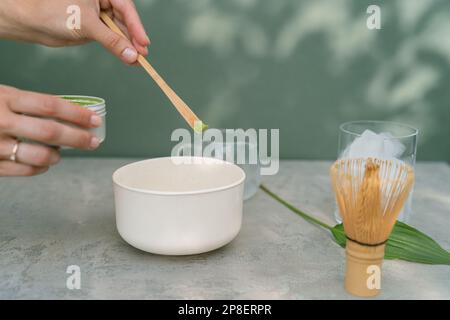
339, 235
405, 243
408, 243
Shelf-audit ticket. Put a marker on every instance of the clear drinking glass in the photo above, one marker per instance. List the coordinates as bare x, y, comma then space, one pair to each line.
379, 139
242, 153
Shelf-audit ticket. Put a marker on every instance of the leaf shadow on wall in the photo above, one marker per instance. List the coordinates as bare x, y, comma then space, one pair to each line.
301, 66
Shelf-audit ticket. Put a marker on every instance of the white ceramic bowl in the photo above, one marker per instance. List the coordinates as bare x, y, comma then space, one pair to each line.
178, 205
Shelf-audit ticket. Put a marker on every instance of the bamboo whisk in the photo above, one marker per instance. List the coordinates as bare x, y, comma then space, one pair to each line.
370, 194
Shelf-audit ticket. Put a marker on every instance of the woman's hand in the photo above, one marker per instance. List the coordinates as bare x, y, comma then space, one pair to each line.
45, 22
21, 115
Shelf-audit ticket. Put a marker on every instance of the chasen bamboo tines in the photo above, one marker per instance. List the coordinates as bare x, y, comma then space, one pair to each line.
370, 194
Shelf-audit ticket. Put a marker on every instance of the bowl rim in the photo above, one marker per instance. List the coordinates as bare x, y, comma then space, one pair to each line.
179, 193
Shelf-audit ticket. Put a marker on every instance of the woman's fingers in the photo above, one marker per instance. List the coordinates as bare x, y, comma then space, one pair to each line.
51, 132
53, 107
113, 42
126, 17
130, 17
30, 154
122, 27
37, 155
10, 168
141, 49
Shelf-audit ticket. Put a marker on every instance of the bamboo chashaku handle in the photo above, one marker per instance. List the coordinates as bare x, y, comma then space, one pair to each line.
179, 104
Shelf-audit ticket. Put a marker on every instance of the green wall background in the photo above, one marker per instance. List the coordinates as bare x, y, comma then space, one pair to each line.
300, 66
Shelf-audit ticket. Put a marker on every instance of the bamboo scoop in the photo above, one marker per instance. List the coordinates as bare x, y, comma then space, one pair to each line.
186, 112
370, 194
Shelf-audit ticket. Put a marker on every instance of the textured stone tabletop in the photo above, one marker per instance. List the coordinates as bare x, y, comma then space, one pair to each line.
66, 217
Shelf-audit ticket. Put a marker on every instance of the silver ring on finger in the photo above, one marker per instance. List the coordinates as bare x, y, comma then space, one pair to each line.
13, 156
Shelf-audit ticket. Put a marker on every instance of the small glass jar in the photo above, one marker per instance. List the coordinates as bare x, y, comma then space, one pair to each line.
98, 105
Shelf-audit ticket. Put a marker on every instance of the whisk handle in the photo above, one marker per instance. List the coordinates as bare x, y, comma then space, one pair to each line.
363, 269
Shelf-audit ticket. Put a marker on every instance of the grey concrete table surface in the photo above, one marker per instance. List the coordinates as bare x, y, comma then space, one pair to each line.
66, 217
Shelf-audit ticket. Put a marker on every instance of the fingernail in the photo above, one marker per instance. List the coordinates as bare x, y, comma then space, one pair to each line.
54, 158
95, 142
148, 39
130, 55
96, 121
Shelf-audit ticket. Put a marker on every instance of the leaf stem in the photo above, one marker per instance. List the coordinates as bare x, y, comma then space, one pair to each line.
297, 211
